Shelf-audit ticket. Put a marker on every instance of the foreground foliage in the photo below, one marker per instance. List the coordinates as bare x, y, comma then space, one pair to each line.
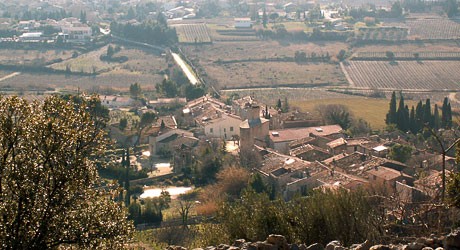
322, 217
49, 191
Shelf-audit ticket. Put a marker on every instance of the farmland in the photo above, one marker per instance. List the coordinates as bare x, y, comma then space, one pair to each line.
193, 33
413, 75
88, 62
433, 29
271, 95
226, 33
257, 71
117, 80
445, 46
374, 113
260, 49
29, 57
258, 74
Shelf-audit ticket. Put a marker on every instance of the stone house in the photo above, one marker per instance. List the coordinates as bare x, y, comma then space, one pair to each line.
280, 139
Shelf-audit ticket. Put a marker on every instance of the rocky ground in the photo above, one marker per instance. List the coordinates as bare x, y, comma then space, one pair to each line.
278, 242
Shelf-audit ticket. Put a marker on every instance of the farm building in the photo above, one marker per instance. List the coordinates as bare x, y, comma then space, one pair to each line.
243, 22
31, 37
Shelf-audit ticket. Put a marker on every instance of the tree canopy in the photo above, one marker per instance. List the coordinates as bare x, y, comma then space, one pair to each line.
50, 194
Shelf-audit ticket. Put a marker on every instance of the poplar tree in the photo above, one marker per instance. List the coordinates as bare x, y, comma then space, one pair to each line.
391, 117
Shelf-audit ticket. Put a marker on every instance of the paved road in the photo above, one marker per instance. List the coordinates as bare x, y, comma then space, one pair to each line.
10, 76
191, 77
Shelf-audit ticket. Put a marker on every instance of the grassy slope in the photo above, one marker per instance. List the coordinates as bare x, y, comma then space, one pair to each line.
370, 109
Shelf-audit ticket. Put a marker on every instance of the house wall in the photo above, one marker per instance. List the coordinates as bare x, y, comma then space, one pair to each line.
314, 155
282, 147
300, 186
243, 24
224, 129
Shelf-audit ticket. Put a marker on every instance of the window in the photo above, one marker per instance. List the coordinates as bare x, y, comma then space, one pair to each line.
211, 130
231, 129
225, 130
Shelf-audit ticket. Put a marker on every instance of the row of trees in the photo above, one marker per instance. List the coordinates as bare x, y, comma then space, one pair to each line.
280, 33
420, 116
154, 33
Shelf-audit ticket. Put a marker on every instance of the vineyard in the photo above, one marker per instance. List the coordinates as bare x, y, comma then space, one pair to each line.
434, 29
382, 34
429, 55
407, 75
193, 33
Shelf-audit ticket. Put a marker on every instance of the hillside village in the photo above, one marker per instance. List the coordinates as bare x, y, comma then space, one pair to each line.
295, 158
225, 120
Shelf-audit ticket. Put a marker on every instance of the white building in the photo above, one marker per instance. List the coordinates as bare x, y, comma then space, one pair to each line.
226, 126
77, 33
243, 22
31, 37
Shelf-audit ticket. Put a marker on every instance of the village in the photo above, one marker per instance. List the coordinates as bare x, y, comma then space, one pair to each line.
292, 151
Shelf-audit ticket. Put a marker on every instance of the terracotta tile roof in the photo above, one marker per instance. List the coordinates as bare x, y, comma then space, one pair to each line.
306, 148
337, 143
385, 173
289, 135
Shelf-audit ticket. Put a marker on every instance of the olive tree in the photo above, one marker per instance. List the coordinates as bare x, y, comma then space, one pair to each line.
50, 193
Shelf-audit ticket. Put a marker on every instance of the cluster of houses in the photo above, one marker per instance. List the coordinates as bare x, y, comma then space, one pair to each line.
70, 30
297, 153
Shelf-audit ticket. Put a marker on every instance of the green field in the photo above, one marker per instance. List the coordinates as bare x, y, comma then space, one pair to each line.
370, 109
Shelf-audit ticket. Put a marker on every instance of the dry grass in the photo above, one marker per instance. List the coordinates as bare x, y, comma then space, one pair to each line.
265, 73
119, 80
412, 47
20, 56
270, 96
143, 67
86, 62
370, 109
261, 49
268, 74
138, 61
408, 75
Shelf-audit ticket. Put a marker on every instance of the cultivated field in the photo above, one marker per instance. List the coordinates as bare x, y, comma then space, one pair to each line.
432, 55
444, 46
227, 33
409, 75
29, 57
143, 67
433, 29
374, 112
116, 80
258, 74
88, 62
261, 49
193, 33
138, 61
270, 96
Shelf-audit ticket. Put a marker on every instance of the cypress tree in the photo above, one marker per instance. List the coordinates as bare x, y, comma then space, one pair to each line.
402, 119
419, 115
413, 124
392, 115
406, 118
444, 113
127, 166
446, 119
427, 117
436, 121
449, 117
